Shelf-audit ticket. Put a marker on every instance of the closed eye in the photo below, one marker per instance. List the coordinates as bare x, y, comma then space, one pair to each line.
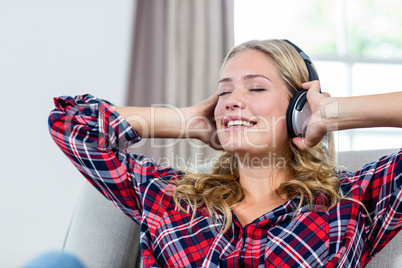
223, 93
257, 89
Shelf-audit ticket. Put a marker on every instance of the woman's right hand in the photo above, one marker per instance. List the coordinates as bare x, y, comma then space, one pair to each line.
200, 123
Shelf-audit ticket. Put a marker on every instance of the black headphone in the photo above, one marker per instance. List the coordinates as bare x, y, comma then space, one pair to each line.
298, 112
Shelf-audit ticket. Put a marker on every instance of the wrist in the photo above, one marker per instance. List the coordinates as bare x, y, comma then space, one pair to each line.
191, 126
330, 114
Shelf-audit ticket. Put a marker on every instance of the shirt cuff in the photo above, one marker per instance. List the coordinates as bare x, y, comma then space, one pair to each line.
110, 128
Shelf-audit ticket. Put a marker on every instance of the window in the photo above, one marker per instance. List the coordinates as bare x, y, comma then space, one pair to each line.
355, 45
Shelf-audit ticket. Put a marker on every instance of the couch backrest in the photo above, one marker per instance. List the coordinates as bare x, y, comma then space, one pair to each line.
353, 160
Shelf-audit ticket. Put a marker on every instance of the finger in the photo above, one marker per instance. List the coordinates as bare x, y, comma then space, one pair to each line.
326, 94
312, 85
215, 142
299, 142
304, 143
214, 97
212, 100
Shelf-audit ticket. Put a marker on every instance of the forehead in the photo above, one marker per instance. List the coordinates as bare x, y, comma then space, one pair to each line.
249, 62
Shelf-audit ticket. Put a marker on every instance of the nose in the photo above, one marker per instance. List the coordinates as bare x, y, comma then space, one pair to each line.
236, 100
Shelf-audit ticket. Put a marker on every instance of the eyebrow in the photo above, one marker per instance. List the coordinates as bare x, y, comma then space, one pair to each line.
246, 77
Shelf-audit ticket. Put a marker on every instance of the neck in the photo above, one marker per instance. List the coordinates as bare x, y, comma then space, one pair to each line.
260, 177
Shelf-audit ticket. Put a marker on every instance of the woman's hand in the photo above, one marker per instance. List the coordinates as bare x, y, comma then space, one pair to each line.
200, 123
320, 104
341, 113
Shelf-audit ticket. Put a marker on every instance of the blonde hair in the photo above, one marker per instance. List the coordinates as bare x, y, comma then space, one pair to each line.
312, 171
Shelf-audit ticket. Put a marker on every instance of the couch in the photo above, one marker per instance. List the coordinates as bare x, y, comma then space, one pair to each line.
103, 237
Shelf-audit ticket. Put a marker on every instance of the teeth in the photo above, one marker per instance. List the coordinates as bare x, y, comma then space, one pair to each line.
240, 123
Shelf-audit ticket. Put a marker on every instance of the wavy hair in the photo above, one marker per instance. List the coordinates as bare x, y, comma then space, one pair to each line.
312, 171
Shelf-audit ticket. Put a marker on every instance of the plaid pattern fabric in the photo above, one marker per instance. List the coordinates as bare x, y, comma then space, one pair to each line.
95, 139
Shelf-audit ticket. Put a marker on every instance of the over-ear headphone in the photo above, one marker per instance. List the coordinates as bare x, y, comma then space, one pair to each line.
298, 112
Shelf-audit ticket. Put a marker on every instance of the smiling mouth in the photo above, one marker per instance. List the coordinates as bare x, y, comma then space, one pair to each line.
239, 123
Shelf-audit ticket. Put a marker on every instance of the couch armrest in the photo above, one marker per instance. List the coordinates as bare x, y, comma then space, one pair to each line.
100, 235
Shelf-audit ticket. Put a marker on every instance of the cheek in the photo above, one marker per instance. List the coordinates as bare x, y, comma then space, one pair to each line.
274, 108
272, 115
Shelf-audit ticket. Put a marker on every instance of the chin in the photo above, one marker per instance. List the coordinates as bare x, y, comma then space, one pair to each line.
255, 150
241, 151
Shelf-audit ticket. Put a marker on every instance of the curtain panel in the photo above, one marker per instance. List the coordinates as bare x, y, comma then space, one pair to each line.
178, 49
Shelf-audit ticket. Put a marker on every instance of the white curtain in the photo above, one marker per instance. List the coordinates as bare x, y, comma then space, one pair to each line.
179, 46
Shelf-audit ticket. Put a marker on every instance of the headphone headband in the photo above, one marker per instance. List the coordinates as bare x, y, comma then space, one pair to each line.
311, 71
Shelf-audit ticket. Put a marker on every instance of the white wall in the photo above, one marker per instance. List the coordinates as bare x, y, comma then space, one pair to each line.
50, 48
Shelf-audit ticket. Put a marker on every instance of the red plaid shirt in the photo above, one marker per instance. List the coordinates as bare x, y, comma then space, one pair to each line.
95, 139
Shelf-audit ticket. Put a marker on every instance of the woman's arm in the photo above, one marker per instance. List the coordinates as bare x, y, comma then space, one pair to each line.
157, 122
195, 122
380, 110
341, 113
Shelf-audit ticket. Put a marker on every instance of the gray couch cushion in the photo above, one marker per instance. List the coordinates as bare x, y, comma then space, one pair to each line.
100, 235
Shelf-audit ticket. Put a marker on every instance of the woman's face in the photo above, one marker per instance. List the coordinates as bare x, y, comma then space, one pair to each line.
251, 111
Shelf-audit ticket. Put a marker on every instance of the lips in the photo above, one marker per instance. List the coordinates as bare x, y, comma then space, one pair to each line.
236, 121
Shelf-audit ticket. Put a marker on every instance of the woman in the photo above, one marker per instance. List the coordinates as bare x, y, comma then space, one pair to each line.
271, 200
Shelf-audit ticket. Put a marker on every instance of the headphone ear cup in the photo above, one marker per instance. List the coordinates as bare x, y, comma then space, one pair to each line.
296, 108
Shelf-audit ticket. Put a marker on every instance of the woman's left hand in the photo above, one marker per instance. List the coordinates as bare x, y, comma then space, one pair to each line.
341, 113
317, 126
